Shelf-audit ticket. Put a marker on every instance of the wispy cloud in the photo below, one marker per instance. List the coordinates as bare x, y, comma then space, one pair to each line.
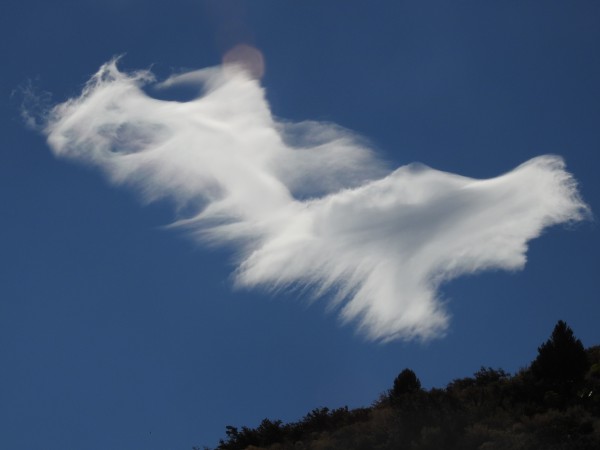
308, 204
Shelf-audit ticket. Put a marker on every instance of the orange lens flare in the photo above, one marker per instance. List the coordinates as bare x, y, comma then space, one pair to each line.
247, 57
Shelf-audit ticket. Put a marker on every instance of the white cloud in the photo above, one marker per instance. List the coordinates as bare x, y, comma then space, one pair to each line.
308, 204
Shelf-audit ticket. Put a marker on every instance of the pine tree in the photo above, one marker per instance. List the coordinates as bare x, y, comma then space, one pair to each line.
405, 383
561, 359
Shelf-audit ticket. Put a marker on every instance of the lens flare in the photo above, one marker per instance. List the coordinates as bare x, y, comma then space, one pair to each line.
246, 57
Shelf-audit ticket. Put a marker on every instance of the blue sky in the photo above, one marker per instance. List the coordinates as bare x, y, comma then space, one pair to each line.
116, 333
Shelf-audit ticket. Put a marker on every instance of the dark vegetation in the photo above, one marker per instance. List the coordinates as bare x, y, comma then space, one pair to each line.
554, 404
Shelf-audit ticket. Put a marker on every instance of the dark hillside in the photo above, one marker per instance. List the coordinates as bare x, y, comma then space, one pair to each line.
554, 404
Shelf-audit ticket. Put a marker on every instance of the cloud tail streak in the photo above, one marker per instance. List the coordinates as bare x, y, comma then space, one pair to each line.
309, 204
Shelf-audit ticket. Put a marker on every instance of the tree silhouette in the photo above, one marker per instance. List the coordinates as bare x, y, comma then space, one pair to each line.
552, 405
405, 383
561, 359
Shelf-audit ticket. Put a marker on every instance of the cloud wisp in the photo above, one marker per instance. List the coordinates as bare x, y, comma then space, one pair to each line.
308, 204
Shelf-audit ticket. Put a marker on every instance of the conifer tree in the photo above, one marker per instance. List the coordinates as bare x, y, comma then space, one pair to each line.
562, 358
405, 383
